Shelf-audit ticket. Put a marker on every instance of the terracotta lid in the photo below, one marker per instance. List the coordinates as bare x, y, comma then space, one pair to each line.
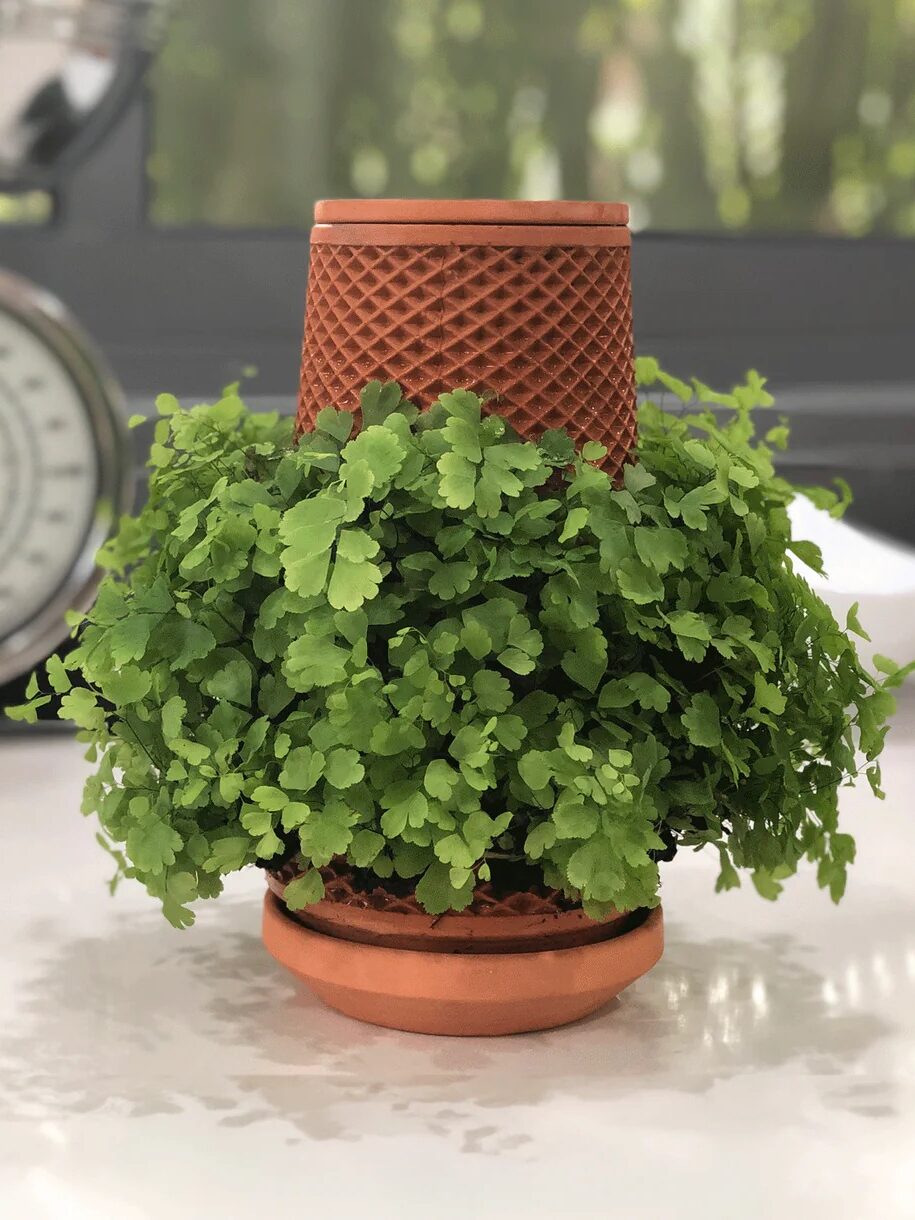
470, 211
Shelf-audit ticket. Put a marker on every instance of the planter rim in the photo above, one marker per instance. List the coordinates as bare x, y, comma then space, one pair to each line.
501, 928
650, 929
470, 211
408, 234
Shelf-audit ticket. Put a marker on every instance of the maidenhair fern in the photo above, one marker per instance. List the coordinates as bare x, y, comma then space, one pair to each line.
429, 644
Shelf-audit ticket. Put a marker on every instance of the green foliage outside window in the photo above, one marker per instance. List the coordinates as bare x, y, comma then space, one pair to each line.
780, 115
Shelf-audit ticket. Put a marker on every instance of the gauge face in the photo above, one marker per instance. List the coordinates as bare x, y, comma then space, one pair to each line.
49, 474
64, 471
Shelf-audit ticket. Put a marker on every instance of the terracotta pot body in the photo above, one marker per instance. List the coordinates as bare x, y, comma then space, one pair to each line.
515, 965
530, 302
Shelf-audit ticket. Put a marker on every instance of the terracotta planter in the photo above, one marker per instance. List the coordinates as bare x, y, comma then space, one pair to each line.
530, 302
504, 967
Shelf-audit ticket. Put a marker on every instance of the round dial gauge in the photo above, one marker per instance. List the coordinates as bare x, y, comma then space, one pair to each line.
64, 471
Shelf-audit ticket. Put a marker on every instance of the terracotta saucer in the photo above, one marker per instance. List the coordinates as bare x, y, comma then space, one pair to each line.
465, 994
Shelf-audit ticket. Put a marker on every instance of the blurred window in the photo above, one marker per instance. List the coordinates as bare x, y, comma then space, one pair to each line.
26, 208
740, 115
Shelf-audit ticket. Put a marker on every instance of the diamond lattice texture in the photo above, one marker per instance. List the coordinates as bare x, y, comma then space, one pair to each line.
341, 887
546, 328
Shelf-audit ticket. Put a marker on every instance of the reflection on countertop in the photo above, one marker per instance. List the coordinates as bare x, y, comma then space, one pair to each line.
764, 1067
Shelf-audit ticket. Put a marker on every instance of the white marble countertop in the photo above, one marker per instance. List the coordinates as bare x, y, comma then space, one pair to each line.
765, 1068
